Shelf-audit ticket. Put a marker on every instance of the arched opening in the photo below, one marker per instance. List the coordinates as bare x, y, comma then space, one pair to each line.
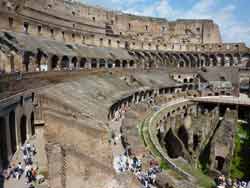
181, 64
220, 162
229, 60
23, 129
183, 135
54, 62
74, 62
26, 60
102, 63
110, 64
213, 60
12, 125
221, 60
195, 141
131, 63
83, 63
93, 63
3, 144
245, 60
32, 123
117, 63
185, 80
65, 62
173, 146
124, 63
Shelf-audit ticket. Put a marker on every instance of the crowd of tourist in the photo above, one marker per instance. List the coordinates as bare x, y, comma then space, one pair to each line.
27, 168
222, 182
129, 163
125, 163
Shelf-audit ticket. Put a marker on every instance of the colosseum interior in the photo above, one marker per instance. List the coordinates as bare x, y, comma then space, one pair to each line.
95, 89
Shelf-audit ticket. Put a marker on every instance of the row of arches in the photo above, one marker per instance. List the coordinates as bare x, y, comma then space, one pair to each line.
147, 95
12, 135
80, 63
190, 59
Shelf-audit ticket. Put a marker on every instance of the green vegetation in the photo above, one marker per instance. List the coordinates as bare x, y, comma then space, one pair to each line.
240, 163
164, 165
204, 159
202, 179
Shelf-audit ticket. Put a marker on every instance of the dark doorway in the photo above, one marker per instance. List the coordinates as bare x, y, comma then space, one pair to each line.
195, 141
220, 162
94, 63
183, 135
102, 63
173, 146
74, 62
83, 62
32, 123
12, 126
65, 62
3, 144
54, 62
23, 129
117, 63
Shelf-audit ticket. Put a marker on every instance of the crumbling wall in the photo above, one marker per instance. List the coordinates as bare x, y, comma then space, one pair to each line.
222, 144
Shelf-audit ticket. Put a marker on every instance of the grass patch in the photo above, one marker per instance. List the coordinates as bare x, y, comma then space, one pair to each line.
240, 163
164, 165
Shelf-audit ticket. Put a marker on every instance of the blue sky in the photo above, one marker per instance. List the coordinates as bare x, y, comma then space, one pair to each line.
233, 16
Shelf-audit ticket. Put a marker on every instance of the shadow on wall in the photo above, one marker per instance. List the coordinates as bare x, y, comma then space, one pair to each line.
1, 181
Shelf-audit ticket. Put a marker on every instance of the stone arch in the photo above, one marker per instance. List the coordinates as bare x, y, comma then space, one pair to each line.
12, 125
192, 60
23, 129
204, 60
131, 63
3, 144
220, 162
110, 63
186, 60
93, 63
236, 58
245, 59
229, 60
74, 61
54, 62
213, 60
220, 59
197, 60
26, 61
65, 62
102, 63
117, 63
173, 145
183, 135
181, 64
83, 62
175, 59
167, 58
124, 63
39, 56
32, 123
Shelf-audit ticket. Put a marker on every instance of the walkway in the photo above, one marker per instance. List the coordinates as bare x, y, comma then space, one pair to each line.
224, 100
40, 159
